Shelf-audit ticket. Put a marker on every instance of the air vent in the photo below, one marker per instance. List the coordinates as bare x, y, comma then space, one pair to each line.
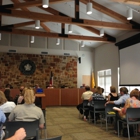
44, 52
67, 54
12, 51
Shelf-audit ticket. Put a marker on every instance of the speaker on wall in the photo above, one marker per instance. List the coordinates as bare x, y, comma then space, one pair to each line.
79, 59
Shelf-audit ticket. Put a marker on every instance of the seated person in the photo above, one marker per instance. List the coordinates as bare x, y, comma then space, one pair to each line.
7, 95
96, 96
28, 111
19, 98
8, 86
6, 106
2, 120
124, 96
85, 96
131, 102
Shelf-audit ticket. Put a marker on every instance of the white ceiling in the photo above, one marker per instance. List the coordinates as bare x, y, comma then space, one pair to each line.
68, 8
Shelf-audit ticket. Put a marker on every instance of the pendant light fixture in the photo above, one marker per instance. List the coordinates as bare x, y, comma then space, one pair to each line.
89, 8
129, 14
32, 39
70, 28
82, 44
45, 3
37, 24
57, 41
102, 32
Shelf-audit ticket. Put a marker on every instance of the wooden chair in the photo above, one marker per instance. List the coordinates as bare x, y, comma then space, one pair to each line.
31, 128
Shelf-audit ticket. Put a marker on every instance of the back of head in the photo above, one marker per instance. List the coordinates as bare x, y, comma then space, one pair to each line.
98, 90
134, 93
2, 98
124, 90
87, 88
29, 96
112, 89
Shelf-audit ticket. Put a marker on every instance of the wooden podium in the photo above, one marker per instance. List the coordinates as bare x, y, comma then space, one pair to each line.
40, 95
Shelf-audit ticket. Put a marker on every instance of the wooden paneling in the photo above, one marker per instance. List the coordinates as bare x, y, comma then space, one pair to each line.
52, 98
69, 97
13, 92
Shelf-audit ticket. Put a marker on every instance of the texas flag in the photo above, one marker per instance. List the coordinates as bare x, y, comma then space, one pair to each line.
51, 78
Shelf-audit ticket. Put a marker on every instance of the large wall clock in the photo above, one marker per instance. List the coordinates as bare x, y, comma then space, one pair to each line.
27, 67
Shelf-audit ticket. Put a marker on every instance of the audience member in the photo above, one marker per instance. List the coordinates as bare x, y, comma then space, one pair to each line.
121, 101
6, 106
2, 120
131, 102
96, 96
28, 111
124, 96
8, 86
85, 96
7, 95
20, 134
113, 95
19, 98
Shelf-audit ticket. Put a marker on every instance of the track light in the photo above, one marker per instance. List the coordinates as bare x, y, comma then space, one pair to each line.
32, 39
129, 14
89, 8
70, 28
82, 44
102, 32
45, 3
37, 24
57, 41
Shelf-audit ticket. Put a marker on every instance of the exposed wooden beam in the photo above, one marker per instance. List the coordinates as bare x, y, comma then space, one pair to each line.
45, 27
91, 29
55, 35
32, 22
133, 2
107, 11
36, 3
62, 19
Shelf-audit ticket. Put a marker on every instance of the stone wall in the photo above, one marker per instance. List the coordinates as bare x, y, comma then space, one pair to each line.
64, 70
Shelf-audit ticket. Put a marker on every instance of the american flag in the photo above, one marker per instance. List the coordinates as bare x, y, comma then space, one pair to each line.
51, 78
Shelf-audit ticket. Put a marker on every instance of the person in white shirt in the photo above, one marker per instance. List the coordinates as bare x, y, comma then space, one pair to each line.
6, 106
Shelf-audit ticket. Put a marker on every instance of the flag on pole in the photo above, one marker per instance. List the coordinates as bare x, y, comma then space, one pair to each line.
51, 78
92, 80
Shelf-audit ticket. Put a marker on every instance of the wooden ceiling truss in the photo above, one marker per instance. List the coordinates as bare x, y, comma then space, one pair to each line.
13, 11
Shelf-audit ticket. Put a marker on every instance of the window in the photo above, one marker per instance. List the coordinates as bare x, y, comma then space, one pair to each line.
104, 80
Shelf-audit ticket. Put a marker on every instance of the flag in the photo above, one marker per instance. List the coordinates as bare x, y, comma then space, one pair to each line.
92, 80
51, 78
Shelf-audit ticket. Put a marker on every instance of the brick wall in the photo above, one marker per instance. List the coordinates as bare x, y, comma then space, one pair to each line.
64, 70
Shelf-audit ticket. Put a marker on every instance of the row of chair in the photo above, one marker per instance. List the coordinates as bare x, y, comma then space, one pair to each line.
108, 112
31, 128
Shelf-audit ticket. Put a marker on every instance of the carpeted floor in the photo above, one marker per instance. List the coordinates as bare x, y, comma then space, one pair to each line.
65, 121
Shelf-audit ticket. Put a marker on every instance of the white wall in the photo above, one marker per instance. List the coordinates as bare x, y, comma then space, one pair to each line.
22, 44
106, 57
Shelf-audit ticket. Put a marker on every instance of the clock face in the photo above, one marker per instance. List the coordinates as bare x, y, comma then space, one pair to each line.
27, 67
